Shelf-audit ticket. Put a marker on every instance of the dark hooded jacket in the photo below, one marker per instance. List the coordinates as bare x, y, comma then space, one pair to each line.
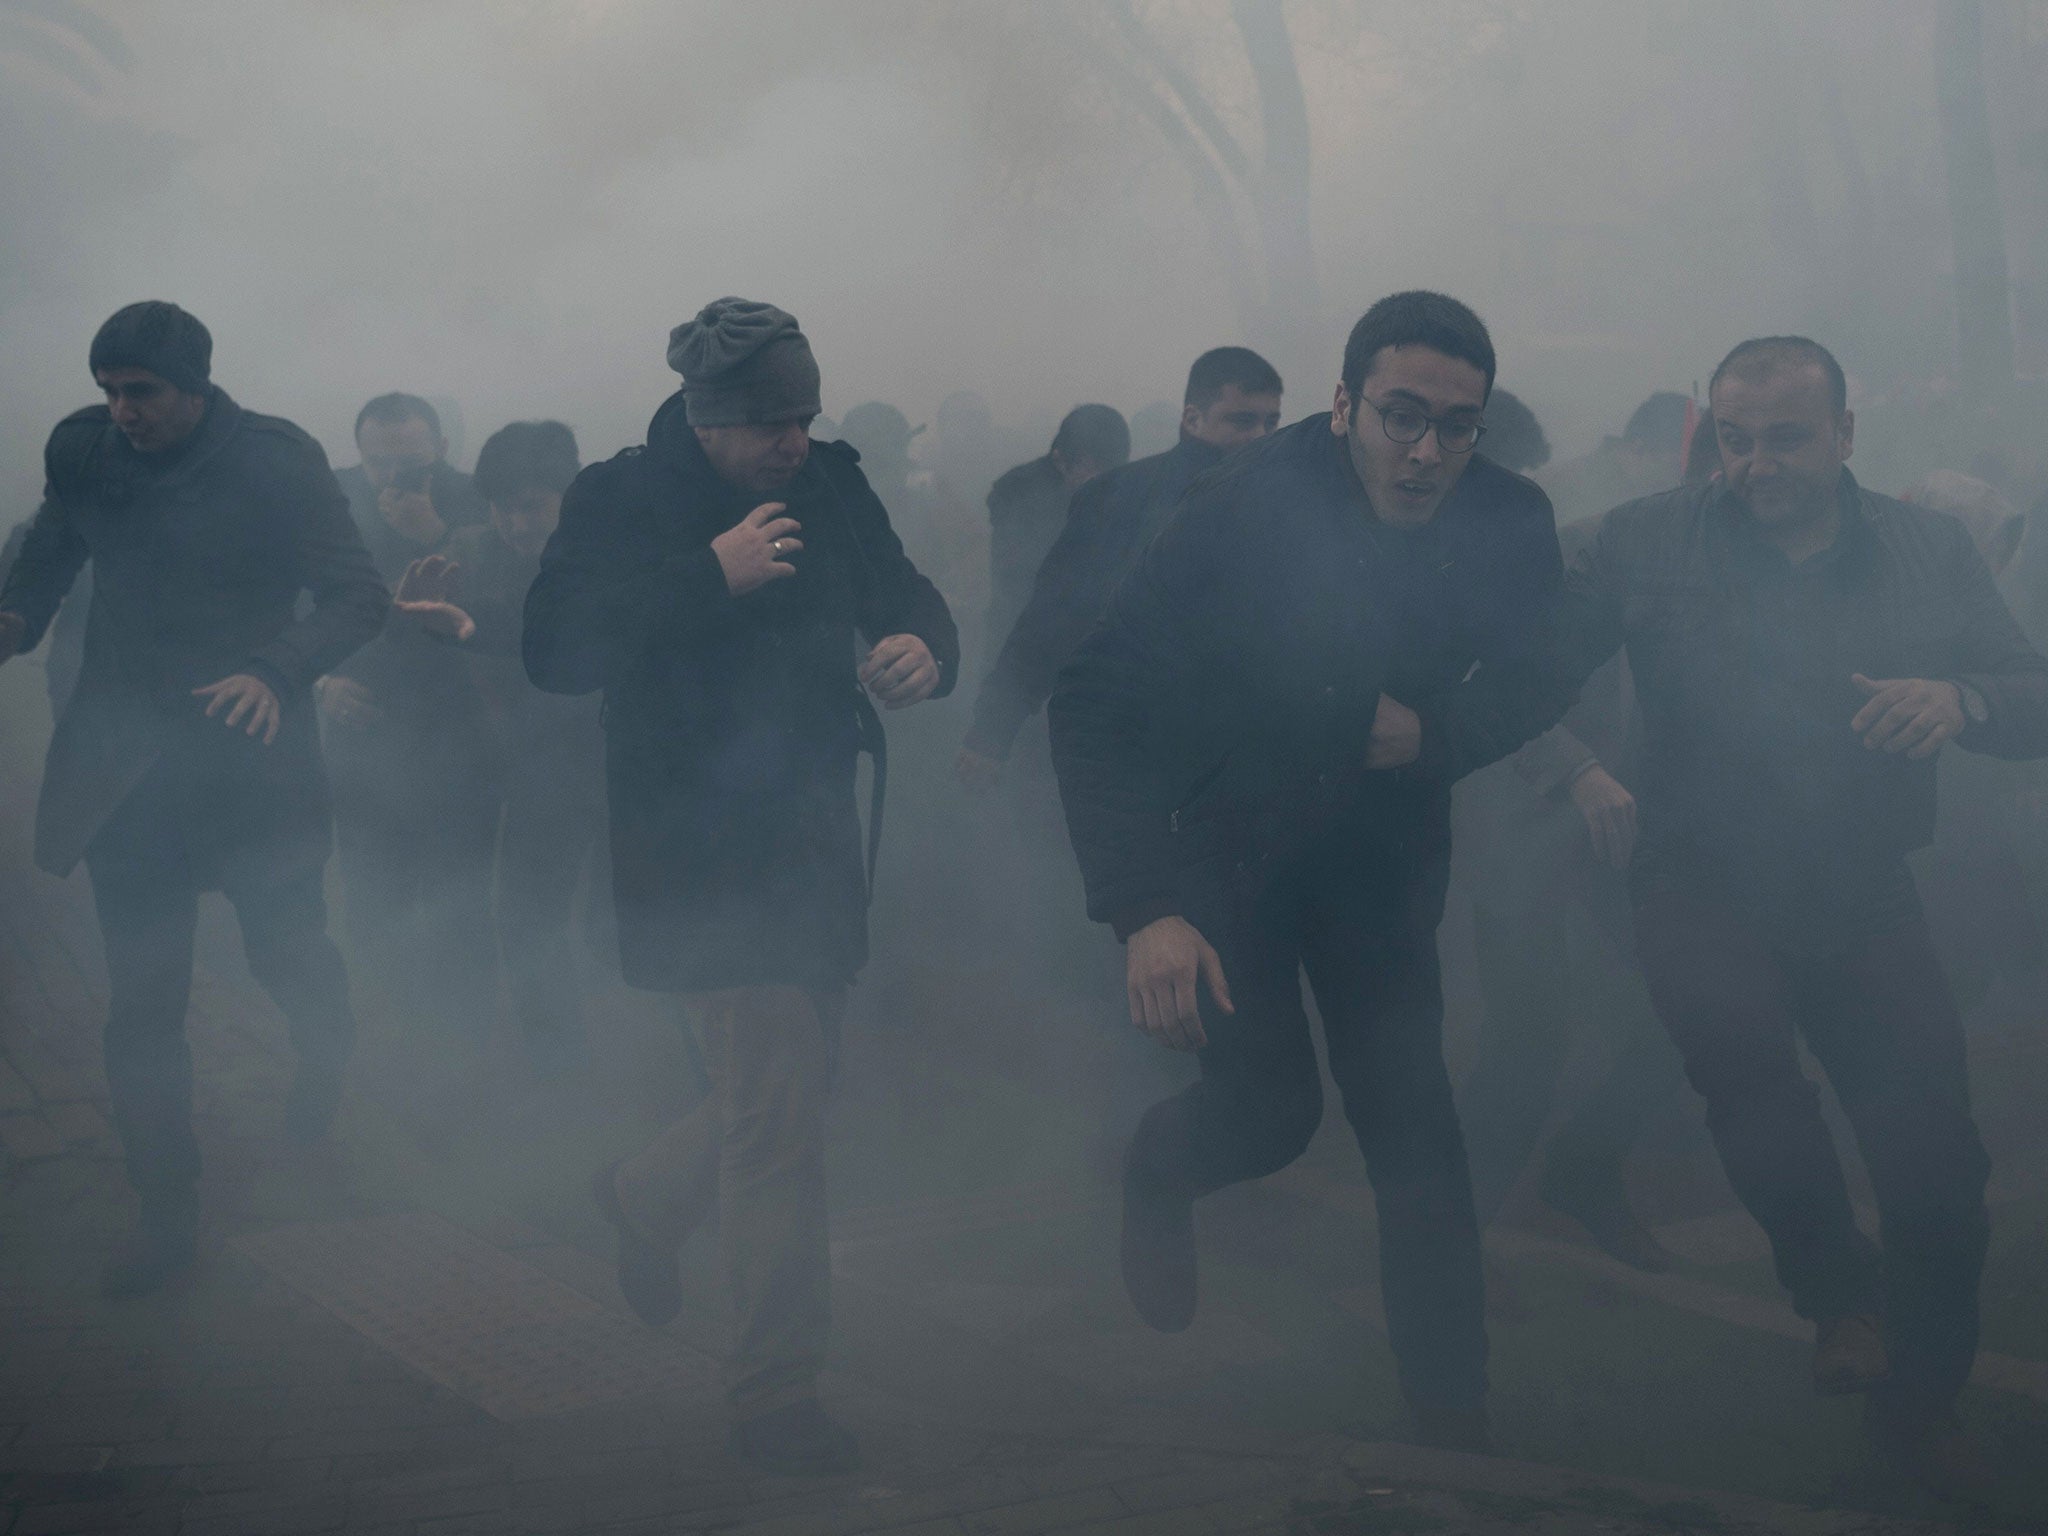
732, 724
1221, 714
199, 558
1110, 521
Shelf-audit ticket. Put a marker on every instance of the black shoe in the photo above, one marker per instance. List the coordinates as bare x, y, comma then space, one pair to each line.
1447, 1427
1158, 1249
1611, 1223
650, 1276
802, 1440
160, 1251
311, 1105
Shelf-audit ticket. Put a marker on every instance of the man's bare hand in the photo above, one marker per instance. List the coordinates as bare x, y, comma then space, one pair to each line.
12, 628
426, 597
411, 515
900, 671
752, 551
1610, 812
1396, 735
347, 702
1164, 963
1913, 715
977, 770
245, 698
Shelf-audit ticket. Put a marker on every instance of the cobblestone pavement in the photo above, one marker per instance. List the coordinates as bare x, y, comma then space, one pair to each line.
414, 1329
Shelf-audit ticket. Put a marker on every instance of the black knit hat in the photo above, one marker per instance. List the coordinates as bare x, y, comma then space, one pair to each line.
743, 362
160, 337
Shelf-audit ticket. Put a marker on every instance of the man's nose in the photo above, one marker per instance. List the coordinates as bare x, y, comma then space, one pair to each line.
1426, 449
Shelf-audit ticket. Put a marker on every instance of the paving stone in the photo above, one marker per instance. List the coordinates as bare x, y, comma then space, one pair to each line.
267, 1512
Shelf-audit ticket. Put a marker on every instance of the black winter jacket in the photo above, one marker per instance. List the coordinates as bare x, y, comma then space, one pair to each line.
732, 724
1233, 685
199, 558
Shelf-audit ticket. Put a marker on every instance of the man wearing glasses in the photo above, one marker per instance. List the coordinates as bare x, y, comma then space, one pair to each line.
1256, 751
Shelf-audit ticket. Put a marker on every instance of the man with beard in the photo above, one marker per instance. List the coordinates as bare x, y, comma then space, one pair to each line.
712, 584
186, 759
1256, 751
1802, 649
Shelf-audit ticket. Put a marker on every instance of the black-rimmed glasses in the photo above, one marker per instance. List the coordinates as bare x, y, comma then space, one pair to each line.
1404, 424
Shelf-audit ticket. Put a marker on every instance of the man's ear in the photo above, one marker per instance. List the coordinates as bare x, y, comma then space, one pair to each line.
1340, 412
1847, 432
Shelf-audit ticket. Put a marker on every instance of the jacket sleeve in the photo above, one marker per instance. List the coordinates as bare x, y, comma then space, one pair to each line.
349, 599
1071, 590
600, 601
895, 597
1996, 659
1104, 716
1510, 695
47, 561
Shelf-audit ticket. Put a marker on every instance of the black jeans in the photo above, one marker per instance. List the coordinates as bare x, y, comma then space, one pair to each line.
1521, 922
1366, 936
1879, 1018
146, 882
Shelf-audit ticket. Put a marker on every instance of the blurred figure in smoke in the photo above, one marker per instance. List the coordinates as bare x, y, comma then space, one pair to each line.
416, 793
712, 583
882, 436
1027, 507
1542, 838
1232, 398
1256, 751
187, 759
1802, 649
549, 748
66, 652
1647, 457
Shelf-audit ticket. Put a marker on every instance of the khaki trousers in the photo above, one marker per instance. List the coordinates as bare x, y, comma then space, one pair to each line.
754, 1150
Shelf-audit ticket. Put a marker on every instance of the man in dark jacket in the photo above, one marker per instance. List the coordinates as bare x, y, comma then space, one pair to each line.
547, 749
416, 796
1802, 649
1232, 398
1027, 506
1256, 751
187, 760
712, 584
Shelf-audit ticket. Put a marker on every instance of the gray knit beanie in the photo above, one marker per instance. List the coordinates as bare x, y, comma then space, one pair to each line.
158, 336
743, 364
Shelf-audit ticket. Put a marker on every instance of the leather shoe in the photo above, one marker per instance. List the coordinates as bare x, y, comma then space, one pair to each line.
1158, 1249
1849, 1355
650, 1276
802, 1440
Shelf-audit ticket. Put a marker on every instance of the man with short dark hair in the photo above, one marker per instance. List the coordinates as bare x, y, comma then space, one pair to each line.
186, 759
1027, 506
1802, 649
1232, 398
1647, 456
547, 749
712, 583
416, 793
1256, 751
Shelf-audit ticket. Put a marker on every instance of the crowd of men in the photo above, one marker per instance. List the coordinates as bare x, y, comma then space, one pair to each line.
1707, 718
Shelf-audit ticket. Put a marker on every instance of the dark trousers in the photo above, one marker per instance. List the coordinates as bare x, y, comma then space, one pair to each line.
1368, 945
416, 885
1879, 1018
1522, 931
146, 884
549, 835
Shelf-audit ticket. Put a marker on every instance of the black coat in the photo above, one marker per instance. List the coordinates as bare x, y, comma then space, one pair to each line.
1236, 676
1109, 522
199, 559
732, 724
1027, 507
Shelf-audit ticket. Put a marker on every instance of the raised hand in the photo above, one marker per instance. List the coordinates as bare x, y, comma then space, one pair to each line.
752, 551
